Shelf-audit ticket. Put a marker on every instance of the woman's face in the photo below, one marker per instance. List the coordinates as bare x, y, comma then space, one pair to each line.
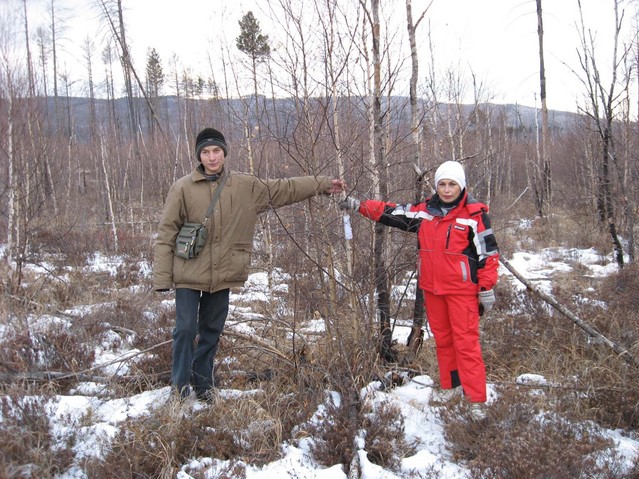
448, 190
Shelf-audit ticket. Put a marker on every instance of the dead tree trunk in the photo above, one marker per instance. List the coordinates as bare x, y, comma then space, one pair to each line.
545, 176
416, 336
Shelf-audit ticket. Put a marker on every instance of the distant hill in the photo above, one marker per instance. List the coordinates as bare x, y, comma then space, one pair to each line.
170, 110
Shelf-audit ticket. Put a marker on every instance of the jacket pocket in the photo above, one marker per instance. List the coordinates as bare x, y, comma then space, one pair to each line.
239, 262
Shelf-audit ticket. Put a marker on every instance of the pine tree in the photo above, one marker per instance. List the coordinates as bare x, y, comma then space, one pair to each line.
251, 40
154, 74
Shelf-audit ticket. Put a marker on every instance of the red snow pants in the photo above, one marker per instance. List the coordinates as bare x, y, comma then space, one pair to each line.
454, 322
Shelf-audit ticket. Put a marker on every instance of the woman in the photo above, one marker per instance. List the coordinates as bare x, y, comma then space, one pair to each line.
458, 263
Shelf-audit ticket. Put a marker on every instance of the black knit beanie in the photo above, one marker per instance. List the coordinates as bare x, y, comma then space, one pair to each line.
209, 137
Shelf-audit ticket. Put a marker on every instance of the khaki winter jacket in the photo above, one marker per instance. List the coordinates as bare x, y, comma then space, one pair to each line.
224, 262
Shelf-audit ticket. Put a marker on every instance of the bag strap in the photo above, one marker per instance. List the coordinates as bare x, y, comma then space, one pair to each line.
216, 196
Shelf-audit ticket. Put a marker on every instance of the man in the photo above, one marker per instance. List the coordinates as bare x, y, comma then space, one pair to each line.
202, 283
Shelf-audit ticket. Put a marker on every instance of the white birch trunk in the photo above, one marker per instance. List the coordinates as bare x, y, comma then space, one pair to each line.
109, 196
11, 202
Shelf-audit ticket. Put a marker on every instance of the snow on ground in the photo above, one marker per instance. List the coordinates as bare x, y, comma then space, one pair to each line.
423, 427
540, 267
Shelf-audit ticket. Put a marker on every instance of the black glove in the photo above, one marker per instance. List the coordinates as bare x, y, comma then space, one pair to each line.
349, 204
486, 301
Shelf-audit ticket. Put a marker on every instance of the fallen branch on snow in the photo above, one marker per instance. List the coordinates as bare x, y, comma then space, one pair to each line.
592, 332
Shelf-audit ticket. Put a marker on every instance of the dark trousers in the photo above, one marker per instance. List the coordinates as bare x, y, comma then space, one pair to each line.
197, 313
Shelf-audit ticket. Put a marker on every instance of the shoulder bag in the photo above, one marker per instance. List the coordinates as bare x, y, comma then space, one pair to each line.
191, 239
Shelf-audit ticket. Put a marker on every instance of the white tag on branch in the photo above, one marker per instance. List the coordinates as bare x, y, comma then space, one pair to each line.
348, 231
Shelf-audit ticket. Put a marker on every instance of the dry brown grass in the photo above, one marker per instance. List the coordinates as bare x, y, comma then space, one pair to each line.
29, 448
597, 383
590, 383
521, 437
247, 428
56, 348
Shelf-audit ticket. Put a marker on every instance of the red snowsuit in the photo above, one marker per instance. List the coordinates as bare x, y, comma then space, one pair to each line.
458, 257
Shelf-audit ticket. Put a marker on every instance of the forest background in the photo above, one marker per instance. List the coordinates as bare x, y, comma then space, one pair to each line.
115, 151
90, 173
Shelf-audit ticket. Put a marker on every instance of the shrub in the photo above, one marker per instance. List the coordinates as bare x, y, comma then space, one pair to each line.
54, 350
334, 435
29, 449
385, 439
518, 440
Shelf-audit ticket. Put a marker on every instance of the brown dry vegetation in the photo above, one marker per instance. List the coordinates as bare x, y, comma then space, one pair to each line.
531, 431
86, 174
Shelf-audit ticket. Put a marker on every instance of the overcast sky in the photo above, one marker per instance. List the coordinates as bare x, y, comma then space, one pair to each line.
495, 39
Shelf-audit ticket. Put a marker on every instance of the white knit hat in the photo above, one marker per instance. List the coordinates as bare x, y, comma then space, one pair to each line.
451, 170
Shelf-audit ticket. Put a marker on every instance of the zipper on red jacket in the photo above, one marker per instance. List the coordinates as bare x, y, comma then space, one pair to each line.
448, 235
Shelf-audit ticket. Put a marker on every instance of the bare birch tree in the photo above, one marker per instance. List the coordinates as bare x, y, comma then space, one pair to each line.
108, 189
6, 91
43, 168
602, 109
378, 170
304, 149
337, 52
416, 334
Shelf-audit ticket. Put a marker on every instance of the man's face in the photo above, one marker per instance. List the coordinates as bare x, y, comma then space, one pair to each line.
212, 158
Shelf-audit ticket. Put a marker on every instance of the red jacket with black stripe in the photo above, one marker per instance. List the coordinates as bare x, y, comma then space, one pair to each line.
458, 252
